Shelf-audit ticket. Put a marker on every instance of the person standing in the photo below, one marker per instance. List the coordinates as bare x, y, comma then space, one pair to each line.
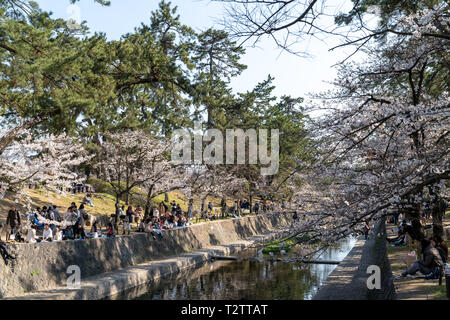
223, 206
139, 215
210, 207
128, 220
13, 222
256, 208
82, 218
366, 229
162, 208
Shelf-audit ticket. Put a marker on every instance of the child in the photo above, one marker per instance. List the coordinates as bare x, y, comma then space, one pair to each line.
111, 233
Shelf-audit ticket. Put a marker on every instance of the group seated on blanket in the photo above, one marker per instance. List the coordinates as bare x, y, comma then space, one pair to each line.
166, 222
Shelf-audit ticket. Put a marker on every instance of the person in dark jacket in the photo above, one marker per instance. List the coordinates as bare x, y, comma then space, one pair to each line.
13, 222
256, 208
430, 263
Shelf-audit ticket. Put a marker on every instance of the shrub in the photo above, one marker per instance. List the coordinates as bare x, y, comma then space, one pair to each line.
101, 186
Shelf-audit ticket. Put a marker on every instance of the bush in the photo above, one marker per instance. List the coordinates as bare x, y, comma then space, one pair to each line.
101, 186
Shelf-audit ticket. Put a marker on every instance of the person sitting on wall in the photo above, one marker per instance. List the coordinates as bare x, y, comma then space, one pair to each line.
148, 228
31, 234
58, 234
141, 227
430, 263
94, 227
111, 232
47, 235
180, 222
68, 233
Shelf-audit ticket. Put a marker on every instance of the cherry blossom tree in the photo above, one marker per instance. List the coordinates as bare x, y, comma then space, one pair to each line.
127, 158
162, 175
48, 161
383, 135
202, 182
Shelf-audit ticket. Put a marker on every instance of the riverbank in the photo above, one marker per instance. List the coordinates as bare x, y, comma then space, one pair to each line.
110, 265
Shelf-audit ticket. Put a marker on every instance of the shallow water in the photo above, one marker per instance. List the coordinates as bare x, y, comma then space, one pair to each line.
244, 280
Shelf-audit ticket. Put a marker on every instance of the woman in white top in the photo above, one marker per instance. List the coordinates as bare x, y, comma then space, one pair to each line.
58, 234
31, 235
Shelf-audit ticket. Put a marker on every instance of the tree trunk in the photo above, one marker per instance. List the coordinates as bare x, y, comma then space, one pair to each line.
116, 218
203, 206
148, 202
437, 215
413, 214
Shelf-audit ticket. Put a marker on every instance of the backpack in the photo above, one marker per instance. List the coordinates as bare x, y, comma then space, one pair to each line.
85, 216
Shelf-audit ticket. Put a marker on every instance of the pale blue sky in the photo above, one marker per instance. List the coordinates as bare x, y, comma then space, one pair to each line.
293, 75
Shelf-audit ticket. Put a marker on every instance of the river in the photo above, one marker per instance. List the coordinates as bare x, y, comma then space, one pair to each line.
244, 280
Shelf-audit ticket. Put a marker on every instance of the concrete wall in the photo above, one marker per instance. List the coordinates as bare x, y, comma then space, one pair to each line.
43, 266
349, 280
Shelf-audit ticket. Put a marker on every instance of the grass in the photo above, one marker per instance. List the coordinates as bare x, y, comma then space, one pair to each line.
439, 292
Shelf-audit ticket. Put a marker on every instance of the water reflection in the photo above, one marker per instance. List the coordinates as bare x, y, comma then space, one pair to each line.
244, 280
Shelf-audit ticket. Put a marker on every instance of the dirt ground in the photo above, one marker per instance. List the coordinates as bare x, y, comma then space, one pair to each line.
410, 288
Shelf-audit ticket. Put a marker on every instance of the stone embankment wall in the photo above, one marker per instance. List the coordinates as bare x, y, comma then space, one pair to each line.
43, 266
349, 280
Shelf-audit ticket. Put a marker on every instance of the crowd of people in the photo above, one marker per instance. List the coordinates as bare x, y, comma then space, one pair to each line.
51, 223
